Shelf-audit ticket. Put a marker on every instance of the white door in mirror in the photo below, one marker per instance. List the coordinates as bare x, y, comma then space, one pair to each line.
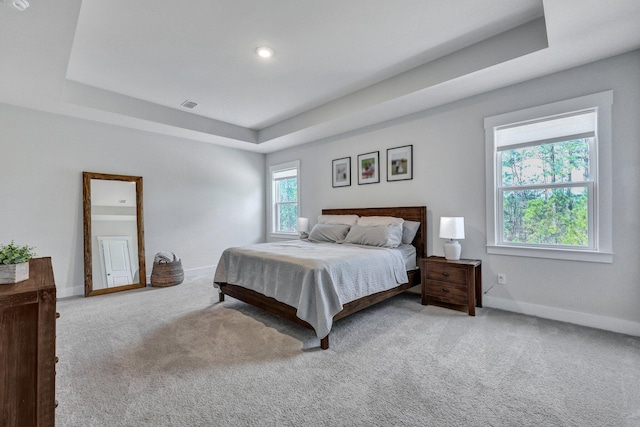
117, 262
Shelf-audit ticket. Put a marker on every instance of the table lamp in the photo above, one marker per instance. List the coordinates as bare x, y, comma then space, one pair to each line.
452, 228
302, 226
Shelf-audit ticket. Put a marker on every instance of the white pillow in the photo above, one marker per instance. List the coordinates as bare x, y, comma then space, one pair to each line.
379, 220
409, 231
386, 236
328, 233
338, 219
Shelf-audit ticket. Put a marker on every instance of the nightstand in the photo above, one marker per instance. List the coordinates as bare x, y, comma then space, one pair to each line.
453, 284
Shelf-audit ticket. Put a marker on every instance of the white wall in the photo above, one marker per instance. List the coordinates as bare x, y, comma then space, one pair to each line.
198, 198
449, 178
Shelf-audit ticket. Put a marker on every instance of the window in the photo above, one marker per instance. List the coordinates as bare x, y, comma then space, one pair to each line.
546, 180
284, 197
545, 185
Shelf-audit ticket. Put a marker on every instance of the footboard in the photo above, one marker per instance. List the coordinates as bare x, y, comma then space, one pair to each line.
287, 312
267, 304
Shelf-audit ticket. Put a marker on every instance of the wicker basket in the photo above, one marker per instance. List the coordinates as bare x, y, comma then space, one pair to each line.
167, 274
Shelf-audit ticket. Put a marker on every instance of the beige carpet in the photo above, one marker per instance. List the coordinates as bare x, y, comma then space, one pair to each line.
176, 357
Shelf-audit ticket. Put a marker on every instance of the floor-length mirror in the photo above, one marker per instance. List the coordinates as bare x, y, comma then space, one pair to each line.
113, 233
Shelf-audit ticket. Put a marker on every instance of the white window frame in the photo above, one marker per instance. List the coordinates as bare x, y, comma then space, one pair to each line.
600, 214
273, 204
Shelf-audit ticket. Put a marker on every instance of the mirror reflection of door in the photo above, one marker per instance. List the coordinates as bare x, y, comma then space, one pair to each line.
115, 257
113, 230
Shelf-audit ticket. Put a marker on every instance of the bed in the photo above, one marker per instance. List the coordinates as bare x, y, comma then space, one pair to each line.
303, 296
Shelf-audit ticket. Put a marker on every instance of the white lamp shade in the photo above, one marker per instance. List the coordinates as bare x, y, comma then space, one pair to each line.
302, 225
452, 227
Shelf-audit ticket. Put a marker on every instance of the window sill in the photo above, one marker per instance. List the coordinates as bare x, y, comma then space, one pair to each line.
562, 254
287, 236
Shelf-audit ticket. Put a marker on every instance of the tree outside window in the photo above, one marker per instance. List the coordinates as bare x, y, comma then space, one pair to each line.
545, 193
285, 197
287, 204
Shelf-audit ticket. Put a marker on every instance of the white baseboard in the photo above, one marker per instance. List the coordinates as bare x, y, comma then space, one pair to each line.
76, 291
201, 270
583, 319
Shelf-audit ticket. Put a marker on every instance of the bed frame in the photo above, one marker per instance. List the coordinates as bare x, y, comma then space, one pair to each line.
273, 306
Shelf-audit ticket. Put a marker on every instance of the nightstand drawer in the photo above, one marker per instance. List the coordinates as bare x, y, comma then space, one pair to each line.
450, 291
447, 273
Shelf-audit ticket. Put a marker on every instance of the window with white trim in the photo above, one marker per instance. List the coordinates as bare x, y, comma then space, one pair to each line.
547, 182
285, 185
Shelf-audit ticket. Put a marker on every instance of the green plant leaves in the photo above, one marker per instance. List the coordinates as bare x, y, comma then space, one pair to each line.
13, 254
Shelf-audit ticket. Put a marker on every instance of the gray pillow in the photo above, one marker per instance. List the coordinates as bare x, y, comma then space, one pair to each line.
409, 231
386, 236
328, 233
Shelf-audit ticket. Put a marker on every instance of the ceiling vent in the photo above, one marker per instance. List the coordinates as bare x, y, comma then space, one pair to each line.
189, 104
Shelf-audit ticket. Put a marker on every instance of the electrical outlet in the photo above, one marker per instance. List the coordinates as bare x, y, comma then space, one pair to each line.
502, 279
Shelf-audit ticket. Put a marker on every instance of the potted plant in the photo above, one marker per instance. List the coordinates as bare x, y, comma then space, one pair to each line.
14, 263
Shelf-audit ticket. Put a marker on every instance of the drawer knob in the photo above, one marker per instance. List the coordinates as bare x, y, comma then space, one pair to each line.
445, 290
445, 274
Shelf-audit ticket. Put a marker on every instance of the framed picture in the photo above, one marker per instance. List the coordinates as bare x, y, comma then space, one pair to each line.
400, 163
369, 168
341, 172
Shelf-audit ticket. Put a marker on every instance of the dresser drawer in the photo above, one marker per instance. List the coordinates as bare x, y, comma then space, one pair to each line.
448, 273
448, 291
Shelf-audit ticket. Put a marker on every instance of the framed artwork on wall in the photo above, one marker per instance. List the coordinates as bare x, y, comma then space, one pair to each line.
400, 163
369, 168
341, 172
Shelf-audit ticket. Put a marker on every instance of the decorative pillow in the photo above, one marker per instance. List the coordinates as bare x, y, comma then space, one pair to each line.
386, 236
338, 219
409, 231
334, 233
379, 220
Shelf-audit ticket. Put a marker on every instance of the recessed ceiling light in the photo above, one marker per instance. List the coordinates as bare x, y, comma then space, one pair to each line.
18, 4
264, 52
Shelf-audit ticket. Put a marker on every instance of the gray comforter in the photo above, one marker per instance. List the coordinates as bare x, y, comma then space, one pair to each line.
315, 278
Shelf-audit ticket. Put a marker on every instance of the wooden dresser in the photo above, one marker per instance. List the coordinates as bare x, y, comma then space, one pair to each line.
27, 348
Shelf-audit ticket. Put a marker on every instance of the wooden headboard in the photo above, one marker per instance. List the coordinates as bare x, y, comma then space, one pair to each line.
411, 213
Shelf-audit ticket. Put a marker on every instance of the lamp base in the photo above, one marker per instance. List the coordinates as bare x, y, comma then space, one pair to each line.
452, 250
